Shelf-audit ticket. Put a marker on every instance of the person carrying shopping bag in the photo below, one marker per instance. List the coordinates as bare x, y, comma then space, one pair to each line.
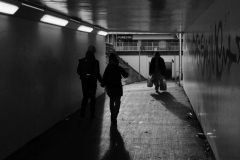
157, 70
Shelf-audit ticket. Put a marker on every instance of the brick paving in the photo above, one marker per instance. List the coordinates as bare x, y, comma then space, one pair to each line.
151, 126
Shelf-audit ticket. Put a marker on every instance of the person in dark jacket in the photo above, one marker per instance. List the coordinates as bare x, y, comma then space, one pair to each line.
89, 83
112, 80
157, 70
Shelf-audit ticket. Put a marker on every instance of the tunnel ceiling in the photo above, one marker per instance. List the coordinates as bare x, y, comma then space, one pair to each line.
157, 16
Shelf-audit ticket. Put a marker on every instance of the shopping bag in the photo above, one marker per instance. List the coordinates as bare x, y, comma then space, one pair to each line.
149, 82
163, 85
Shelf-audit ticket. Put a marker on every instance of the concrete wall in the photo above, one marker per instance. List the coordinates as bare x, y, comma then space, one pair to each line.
211, 64
145, 60
39, 85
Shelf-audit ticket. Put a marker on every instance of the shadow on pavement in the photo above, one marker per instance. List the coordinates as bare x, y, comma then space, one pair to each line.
72, 138
117, 149
170, 103
178, 109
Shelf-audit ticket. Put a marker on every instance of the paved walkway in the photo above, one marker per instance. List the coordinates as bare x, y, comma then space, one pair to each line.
151, 126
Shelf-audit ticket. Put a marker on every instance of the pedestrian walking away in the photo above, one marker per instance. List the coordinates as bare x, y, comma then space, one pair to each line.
112, 81
157, 70
88, 69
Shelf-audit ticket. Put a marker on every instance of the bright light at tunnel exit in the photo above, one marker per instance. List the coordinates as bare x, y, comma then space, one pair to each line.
54, 20
8, 8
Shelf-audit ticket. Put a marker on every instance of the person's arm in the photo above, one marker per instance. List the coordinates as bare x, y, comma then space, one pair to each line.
99, 77
97, 72
104, 81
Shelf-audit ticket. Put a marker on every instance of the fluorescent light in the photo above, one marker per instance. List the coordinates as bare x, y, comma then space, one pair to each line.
85, 28
32, 7
103, 33
54, 20
75, 20
8, 8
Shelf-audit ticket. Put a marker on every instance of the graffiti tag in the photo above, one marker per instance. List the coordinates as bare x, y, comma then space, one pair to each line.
210, 53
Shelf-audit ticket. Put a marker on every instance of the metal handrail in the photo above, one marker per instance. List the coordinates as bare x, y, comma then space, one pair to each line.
148, 46
133, 74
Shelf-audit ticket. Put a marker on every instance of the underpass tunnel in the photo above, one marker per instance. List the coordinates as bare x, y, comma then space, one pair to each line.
41, 93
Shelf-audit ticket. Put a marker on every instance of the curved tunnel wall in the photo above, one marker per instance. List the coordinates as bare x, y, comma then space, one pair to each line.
211, 67
39, 85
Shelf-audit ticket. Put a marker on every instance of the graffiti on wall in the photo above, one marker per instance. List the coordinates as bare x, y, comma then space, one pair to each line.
210, 52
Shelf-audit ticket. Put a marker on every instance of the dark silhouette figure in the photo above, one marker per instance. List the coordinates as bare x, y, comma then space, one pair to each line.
157, 70
112, 80
89, 72
117, 149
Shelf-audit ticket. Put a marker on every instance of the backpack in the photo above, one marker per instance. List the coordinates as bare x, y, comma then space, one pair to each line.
87, 68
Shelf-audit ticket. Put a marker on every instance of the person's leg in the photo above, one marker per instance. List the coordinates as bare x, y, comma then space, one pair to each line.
117, 105
155, 81
85, 90
93, 99
115, 109
156, 84
112, 110
158, 81
111, 105
161, 82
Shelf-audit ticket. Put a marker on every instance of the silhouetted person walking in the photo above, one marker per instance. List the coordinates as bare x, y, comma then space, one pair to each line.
157, 70
112, 80
89, 72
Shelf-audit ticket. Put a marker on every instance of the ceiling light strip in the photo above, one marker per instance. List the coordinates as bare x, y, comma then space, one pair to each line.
8, 8
32, 7
102, 33
85, 29
54, 20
